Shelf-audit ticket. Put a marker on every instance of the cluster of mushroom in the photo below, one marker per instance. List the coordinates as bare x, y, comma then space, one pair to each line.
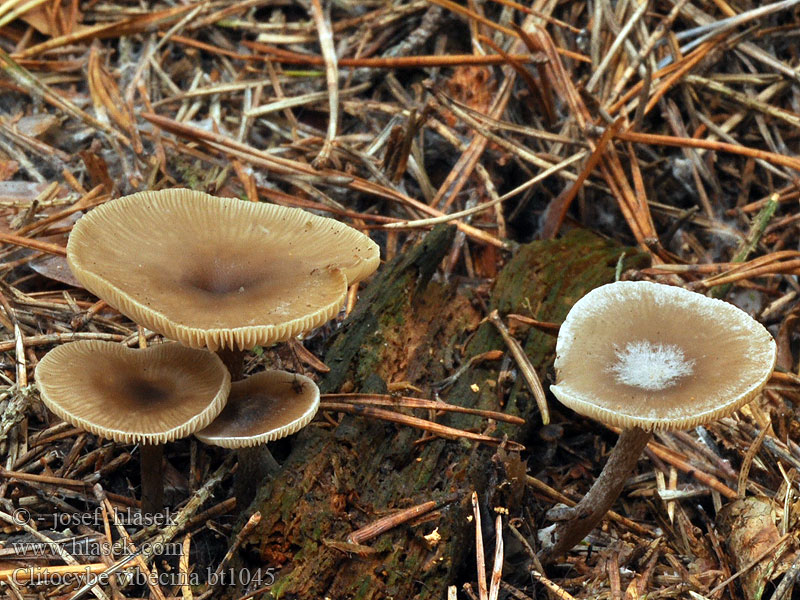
645, 356
211, 273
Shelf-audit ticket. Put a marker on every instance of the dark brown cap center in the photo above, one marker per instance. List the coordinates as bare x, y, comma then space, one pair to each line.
219, 282
147, 392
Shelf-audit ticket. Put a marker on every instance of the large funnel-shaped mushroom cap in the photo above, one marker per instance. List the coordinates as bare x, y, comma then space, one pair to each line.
152, 396
262, 408
218, 272
659, 357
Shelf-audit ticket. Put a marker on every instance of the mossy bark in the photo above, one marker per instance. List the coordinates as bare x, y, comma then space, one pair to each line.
407, 328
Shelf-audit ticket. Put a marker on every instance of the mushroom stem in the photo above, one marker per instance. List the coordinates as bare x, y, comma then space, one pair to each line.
600, 497
256, 465
152, 478
234, 361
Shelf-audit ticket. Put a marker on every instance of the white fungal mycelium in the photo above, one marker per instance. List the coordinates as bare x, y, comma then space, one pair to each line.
650, 366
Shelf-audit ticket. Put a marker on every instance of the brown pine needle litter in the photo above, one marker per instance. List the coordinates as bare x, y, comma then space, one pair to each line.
666, 127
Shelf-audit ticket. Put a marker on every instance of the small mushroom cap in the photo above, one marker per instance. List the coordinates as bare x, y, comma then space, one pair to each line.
218, 272
149, 396
642, 354
262, 408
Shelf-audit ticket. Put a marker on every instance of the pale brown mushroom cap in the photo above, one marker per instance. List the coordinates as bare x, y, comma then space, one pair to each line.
264, 407
152, 396
218, 272
659, 357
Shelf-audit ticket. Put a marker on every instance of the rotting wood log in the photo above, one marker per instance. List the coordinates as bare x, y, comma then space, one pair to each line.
409, 328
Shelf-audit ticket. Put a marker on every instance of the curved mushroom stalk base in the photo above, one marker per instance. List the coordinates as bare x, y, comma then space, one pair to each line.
256, 465
152, 456
234, 361
581, 519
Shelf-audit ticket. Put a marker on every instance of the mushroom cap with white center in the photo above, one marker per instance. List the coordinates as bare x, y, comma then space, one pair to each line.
152, 395
264, 407
218, 272
654, 356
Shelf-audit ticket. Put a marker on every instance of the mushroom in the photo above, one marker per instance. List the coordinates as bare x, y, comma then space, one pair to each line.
262, 408
216, 272
644, 356
219, 273
146, 396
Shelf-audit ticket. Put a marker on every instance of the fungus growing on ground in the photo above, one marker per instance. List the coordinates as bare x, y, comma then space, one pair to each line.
216, 272
645, 356
260, 409
148, 396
